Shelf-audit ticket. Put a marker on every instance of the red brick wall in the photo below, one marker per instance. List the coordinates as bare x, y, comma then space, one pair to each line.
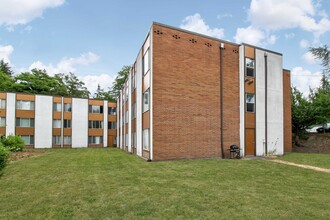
287, 111
186, 95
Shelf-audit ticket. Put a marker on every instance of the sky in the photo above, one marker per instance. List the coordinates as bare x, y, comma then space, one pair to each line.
95, 39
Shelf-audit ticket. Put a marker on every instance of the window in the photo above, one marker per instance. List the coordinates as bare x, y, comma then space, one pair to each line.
95, 109
95, 124
126, 116
134, 139
250, 102
112, 125
25, 105
67, 107
95, 139
57, 123
133, 82
146, 101
2, 122
146, 139
67, 123
126, 140
146, 62
28, 139
112, 111
133, 111
57, 140
25, 122
57, 107
249, 65
67, 140
2, 103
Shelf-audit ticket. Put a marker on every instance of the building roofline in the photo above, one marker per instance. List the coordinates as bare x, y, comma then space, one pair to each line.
287, 70
263, 49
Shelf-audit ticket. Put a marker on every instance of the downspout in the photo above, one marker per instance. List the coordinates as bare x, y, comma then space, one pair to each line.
266, 104
222, 47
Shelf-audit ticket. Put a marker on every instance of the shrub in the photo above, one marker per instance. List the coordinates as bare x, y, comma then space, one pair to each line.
13, 143
4, 152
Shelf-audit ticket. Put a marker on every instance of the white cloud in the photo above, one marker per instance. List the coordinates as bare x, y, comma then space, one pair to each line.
309, 58
225, 15
304, 43
66, 64
289, 36
249, 35
271, 39
5, 52
196, 23
284, 14
304, 79
92, 81
14, 12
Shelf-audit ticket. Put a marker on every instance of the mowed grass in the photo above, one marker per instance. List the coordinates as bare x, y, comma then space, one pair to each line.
319, 160
111, 184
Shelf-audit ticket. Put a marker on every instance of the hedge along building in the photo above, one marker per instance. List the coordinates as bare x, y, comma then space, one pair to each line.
58, 122
192, 96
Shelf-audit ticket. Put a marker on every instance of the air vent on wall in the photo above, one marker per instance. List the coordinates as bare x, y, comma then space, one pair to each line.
235, 51
193, 41
158, 32
208, 44
176, 36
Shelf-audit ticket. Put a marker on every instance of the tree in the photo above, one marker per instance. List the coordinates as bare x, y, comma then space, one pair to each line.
5, 68
74, 86
101, 94
119, 81
322, 53
6, 82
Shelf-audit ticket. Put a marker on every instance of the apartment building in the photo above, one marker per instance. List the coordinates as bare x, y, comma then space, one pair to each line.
58, 122
193, 96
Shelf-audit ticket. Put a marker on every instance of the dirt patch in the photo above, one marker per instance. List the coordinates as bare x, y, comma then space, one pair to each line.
315, 143
302, 166
14, 156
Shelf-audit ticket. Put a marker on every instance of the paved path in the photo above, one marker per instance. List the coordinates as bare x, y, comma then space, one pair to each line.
302, 166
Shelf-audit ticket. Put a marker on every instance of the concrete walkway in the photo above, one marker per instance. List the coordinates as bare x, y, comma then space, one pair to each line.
325, 170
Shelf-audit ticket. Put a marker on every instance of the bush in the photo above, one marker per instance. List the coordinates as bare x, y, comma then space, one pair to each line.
13, 143
4, 152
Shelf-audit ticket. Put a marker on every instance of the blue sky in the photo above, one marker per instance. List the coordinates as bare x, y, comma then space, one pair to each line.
94, 39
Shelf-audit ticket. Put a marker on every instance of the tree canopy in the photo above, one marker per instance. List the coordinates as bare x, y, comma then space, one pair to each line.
322, 53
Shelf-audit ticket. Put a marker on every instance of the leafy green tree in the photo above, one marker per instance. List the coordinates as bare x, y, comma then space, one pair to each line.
5, 68
74, 86
101, 94
322, 53
119, 81
6, 82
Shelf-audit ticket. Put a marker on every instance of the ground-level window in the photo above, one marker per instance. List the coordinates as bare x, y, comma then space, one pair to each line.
67, 140
250, 100
2, 122
126, 140
146, 140
25, 122
95, 139
28, 139
57, 140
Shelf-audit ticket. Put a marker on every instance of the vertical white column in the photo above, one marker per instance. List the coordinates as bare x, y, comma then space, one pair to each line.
105, 124
79, 123
43, 121
121, 143
139, 84
10, 114
118, 122
242, 99
129, 133
151, 94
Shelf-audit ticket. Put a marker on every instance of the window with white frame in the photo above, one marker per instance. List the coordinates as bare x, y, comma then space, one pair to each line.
134, 139
95, 139
146, 100
145, 139
28, 139
95, 124
67, 123
24, 105
146, 62
57, 140
2, 103
67, 140
249, 66
133, 112
67, 107
57, 123
112, 111
57, 107
2, 122
133, 81
250, 100
112, 125
96, 109
25, 122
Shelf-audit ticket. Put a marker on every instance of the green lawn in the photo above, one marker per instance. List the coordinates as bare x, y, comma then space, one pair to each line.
111, 184
319, 160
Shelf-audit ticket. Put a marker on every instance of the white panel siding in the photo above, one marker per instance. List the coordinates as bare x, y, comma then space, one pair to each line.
242, 100
10, 113
118, 122
139, 104
260, 103
105, 124
129, 112
43, 121
79, 123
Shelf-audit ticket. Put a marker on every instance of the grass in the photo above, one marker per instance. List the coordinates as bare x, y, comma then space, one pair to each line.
111, 184
319, 160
